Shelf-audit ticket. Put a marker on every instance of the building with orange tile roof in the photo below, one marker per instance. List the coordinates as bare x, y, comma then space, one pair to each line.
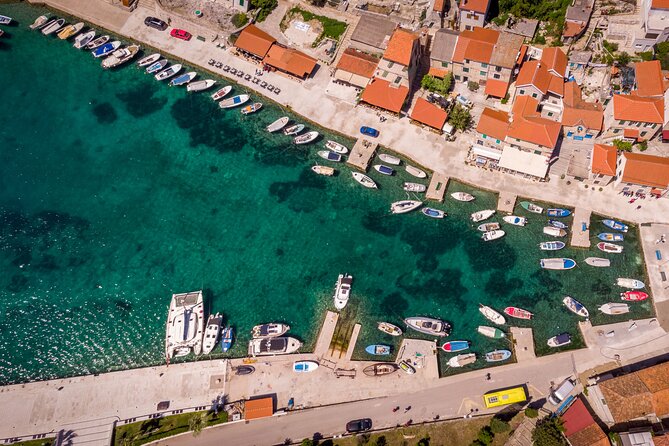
258, 408
648, 79
646, 173
491, 131
577, 18
603, 163
355, 67
290, 61
385, 95
580, 119
530, 129
544, 80
628, 112
580, 427
472, 13
399, 63
429, 114
254, 41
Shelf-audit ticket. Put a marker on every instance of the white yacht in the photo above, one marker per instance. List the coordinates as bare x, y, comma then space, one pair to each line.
342, 291
211, 333
185, 325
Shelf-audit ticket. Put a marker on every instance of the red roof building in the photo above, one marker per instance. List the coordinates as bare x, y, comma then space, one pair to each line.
649, 79
290, 61
578, 115
429, 114
528, 125
603, 160
381, 93
580, 428
356, 67
254, 41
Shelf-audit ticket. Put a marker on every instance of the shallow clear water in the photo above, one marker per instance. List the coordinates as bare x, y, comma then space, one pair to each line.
117, 191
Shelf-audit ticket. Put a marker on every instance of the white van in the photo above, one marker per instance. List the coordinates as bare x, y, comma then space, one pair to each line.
561, 392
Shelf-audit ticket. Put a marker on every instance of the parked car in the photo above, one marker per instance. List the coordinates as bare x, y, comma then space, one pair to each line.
464, 101
180, 34
369, 131
361, 425
155, 23
562, 392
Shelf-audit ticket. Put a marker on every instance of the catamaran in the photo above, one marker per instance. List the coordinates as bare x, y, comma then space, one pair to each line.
185, 325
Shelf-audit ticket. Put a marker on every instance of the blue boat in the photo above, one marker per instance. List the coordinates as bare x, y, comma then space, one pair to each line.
615, 225
378, 349
105, 49
226, 339
557, 224
369, 131
385, 170
558, 264
455, 346
558, 213
183, 79
434, 213
610, 237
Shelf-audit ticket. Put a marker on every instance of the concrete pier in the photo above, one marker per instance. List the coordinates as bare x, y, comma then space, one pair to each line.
579, 237
656, 255
523, 340
422, 355
352, 342
325, 335
437, 188
362, 154
506, 202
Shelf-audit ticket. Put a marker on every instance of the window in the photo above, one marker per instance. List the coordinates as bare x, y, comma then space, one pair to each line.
390, 64
643, 133
496, 76
616, 130
465, 78
622, 122
537, 152
521, 91
638, 124
484, 65
485, 136
444, 64
497, 141
479, 142
550, 113
398, 79
466, 70
468, 28
241, 2
384, 74
482, 73
534, 95
498, 69
457, 78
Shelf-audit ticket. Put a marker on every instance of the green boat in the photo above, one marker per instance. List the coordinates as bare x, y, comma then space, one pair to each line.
529, 206
491, 332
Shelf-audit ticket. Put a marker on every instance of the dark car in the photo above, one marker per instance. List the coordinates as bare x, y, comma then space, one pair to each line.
361, 425
155, 23
180, 34
369, 131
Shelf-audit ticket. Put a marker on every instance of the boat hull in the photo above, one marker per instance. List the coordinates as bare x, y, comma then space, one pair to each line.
429, 326
455, 346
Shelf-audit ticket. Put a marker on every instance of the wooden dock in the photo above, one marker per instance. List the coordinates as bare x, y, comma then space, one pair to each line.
325, 336
581, 238
506, 202
437, 188
351, 343
362, 154
523, 340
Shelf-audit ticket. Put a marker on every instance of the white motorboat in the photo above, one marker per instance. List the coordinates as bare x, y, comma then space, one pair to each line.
53, 26
221, 93
487, 227
305, 366
630, 283
156, 66
5, 20
415, 171
251, 108
553, 245
185, 325
383, 169
106, 49
614, 308
293, 129
83, 39
234, 101
306, 138
273, 346
270, 330
433, 213
168, 72
148, 60
404, 206
98, 42
462, 196
278, 124
71, 30
492, 315
202, 85
462, 360
323, 170
575, 306
39, 22
559, 340
482, 215
557, 264
493, 235
329, 156
390, 159
120, 56
515, 220
336, 147
342, 291
598, 262
364, 180
388, 328
183, 79
414, 187
211, 333
553, 231
491, 332
429, 326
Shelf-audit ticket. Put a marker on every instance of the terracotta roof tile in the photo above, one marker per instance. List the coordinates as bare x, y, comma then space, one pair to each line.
528, 125
400, 46
496, 88
578, 112
534, 73
555, 60
626, 397
556, 85
255, 41
604, 158
381, 94
649, 170
580, 428
438, 72
660, 4
593, 435
480, 6
572, 29
476, 45
635, 108
357, 62
493, 123
258, 408
439, 5
290, 60
661, 440
649, 79
429, 114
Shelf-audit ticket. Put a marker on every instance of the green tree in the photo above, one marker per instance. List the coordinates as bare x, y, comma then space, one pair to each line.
623, 59
531, 412
498, 426
642, 146
624, 146
611, 47
548, 432
460, 118
381, 441
239, 20
265, 6
473, 86
485, 435
307, 442
197, 422
646, 55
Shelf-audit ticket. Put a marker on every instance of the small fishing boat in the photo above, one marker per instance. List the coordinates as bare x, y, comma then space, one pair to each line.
388, 328
404, 206
251, 108
428, 325
53, 26
364, 180
39, 22
148, 60
390, 159
598, 262
515, 220
610, 237
414, 187
273, 346
497, 355
492, 315
342, 290
156, 66
415, 171
463, 196
559, 340
558, 213
97, 43
462, 360
226, 339
433, 213
455, 346
83, 39
244, 370
270, 330
120, 56
378, 349
330, 156
202, 85
482, 215
634, 296
168, 72
609, 247
183, 79
323, 170
211, 332
380, 369
554, 245
336, 147
491, 332
554, 232
615, 225
531, 207
630, 283
385, 170
492, 235
557, 264
487, 227
407, 367
614, 308
518, 313
304, 366
575, 306
70, 30
5, 20
306, 138
234, 101
293, 129
223, 92
276, 125
557, 224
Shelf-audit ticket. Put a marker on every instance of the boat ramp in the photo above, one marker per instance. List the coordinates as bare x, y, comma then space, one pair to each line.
580, 228
506, 202
362, 154
437, 188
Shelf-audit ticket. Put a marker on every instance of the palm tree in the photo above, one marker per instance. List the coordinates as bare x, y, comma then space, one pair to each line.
197, 422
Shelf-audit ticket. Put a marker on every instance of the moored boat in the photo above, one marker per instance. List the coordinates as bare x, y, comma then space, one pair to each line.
415, 171
183, 79
323, 170
364, 180
531, 207
455, 346
226, 339
388, 328
380, 369
390, 159
491, 315
614, 308
120, 56
336, 147
407, 367
558, 224
609, 247
486, 227
156, 66
234, 101
497, 355
342, 290
148, 60
378, 349
383, 169
491, 332
306, 138
97, 42
554, 232
518, 313
270, 330
293, 129
414, 187
70, 30
433, 213
404, 206
553, 245
202, 85
106, 49
462, 196
330, 156
492, 235
515, 220
428, 325
615, 225
39, 22
5, 20
462, 360
83, 39
559, 340
223, 92
610, 237
276, 125
273, 346
559, 213
252, 108
575, 306
598, 262
168, 72
53, 26
185, 325
304, 366
211, 332
557, 264
634, 296
630, 283
482, 215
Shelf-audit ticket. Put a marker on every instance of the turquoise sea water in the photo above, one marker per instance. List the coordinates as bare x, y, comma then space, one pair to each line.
117, 191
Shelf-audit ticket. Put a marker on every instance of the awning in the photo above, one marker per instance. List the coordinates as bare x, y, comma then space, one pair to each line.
656, 191
631, 133
486, 152
665, 135
524, 162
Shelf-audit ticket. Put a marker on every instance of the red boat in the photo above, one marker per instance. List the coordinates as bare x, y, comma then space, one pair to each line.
518, 313
634, 296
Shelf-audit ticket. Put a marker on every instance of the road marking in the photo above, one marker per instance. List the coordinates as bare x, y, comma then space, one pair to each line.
534, 389
468, 404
